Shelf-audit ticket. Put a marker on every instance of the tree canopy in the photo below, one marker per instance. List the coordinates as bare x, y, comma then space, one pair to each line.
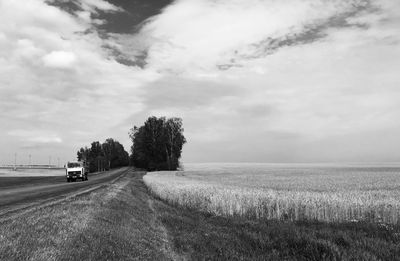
157, 145
108, 155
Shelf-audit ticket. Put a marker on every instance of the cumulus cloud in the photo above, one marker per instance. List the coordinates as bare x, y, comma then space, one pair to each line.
59, 59
253, 80
205, 35
56, 77
306, 71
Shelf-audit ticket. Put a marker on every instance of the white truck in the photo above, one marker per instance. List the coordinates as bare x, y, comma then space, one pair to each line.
76, 170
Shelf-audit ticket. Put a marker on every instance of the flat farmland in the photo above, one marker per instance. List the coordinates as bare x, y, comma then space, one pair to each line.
114, 217
320, 192
8, 172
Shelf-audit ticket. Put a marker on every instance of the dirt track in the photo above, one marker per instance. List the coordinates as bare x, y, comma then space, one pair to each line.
20, 193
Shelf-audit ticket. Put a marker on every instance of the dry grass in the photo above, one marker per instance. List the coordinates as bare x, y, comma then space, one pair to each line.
111, 223
329, 194
40, 235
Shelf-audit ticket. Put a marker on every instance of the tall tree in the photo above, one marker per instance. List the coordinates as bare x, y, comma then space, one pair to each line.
157, 145
174, 141
83, 154
96, 157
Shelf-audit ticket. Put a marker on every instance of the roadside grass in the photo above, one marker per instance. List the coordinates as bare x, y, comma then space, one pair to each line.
125, 228
112, 223
41, 234
201, 236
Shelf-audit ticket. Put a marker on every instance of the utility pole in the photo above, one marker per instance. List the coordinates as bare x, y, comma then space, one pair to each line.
15, 161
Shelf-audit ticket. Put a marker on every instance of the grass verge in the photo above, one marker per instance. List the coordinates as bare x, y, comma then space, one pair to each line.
114, 223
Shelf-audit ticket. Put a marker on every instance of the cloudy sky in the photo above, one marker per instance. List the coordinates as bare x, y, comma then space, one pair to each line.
253, 80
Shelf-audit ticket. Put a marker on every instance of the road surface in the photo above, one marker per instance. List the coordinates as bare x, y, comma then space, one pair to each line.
22, 193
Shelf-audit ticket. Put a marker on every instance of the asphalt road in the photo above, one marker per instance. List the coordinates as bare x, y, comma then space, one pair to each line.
19, 193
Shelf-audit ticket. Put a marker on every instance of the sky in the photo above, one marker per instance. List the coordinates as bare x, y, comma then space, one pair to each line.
253, 80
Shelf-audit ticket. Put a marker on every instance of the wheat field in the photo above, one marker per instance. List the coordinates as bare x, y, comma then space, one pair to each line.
326, 193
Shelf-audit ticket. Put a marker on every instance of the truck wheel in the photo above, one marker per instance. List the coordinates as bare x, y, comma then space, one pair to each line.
68, 180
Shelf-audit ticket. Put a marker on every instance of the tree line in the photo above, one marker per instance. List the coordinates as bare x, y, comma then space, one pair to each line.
157, 144
104, 156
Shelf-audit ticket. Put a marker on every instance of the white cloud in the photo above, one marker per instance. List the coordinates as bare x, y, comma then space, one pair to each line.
59, 59
57, 80
93, 5
336, 87
92, 95
200, 35
36, 136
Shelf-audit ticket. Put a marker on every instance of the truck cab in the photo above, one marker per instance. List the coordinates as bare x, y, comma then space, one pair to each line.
76, 170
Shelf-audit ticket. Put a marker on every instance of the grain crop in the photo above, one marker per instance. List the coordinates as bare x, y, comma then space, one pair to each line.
329, 194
